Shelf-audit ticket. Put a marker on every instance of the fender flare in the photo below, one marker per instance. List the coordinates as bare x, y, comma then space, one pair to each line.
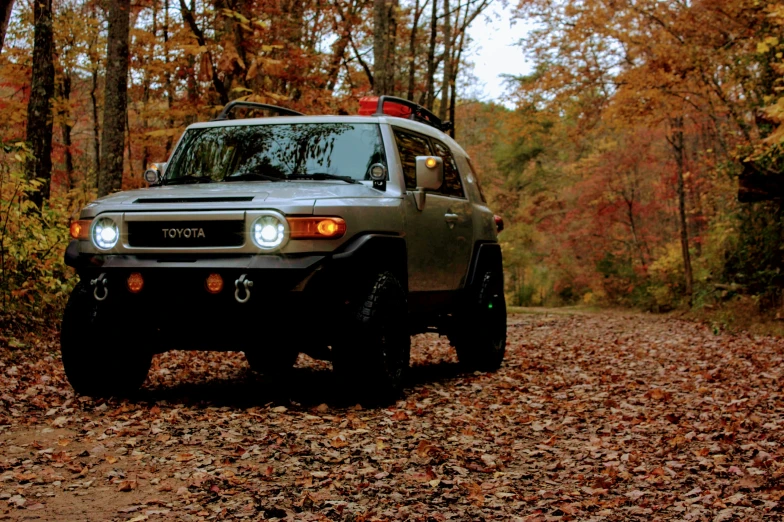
487, 256
372, 254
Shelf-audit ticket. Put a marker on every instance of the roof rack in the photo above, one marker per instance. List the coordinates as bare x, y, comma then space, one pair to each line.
281, 111
418, 113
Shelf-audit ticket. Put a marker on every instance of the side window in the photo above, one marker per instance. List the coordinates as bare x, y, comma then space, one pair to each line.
410, 146
452, 185
472, 172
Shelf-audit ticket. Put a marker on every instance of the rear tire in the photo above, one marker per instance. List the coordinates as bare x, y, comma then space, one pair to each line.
479, 331
374, 352
101, 360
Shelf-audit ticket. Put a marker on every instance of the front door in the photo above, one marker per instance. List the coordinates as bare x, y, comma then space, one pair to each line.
439, 237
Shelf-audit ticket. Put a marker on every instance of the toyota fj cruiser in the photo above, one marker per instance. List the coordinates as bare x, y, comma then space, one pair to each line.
337, 236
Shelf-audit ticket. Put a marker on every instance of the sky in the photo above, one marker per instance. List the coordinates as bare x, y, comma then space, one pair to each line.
493, 52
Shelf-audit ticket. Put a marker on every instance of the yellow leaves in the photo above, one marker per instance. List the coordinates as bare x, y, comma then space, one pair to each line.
767, 44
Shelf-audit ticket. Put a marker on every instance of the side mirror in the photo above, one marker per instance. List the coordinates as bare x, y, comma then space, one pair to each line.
161, 167
429, 172
152, 176
429, 176
378, 173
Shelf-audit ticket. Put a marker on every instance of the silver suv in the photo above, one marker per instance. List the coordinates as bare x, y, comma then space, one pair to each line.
337, 236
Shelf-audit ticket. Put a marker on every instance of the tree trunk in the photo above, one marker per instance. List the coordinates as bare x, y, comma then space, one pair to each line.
458, 52
39, 117
380, 46
115, 98
412, 50
430, 87
167, 74
677, 143
344, 26
442, 109
146, 88
65, 122
391, 60
6, 6
96, 127
212, 71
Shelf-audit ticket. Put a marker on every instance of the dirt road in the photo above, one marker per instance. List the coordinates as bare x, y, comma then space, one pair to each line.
592, 417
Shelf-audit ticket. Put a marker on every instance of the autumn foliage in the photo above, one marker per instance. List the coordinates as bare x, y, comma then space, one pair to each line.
59, 70
617, 170
619, 167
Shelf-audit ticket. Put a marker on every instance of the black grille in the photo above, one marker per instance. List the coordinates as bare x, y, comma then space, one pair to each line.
222, 199
179, 234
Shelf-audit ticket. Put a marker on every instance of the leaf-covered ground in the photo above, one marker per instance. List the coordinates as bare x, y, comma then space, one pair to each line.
592, 417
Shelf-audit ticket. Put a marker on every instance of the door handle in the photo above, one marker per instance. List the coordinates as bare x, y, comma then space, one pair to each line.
450, 218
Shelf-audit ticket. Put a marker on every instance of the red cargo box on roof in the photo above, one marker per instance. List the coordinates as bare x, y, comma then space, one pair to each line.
369, 104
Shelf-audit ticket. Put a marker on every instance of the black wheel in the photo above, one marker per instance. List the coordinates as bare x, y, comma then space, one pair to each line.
99, 358
374, 351
479, 330
272, 362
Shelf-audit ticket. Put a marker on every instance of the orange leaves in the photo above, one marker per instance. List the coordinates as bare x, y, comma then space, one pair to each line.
205, 67
127, 485
460, 445
658, 394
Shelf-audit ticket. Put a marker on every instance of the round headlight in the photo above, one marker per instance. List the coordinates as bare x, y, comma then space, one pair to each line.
105, 233
268, 232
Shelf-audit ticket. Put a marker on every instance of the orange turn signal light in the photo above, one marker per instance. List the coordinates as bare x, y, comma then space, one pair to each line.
431, 163
80, 229
317, 227
214, 283
135, 283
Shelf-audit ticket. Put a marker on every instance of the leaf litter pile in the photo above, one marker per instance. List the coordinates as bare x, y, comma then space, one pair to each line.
592, 417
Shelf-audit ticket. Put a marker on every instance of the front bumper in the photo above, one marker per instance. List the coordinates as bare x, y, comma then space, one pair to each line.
304, 295
170, 281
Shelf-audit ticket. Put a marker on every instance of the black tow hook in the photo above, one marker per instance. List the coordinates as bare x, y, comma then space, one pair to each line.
242, 285
101, 291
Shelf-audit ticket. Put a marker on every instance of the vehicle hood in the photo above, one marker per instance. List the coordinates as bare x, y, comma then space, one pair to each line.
288, 196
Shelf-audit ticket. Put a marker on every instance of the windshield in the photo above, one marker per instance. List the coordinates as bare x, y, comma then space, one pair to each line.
277, 152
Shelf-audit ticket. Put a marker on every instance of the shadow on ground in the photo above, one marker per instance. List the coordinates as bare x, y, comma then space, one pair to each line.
305, 387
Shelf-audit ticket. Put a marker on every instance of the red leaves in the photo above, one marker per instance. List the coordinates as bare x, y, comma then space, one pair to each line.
570, 446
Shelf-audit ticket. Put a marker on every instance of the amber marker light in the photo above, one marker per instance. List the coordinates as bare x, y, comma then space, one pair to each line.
317, 227
214, 283
80, 229
431, 163
135, 283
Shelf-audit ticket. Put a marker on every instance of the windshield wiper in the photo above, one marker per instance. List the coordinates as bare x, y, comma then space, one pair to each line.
319, 176
187, 179
253, 176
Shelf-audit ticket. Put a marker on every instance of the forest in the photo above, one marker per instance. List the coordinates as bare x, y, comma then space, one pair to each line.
639, 163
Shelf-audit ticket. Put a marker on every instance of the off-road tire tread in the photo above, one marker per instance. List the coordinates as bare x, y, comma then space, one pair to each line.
93, 366
361, 370
475, 348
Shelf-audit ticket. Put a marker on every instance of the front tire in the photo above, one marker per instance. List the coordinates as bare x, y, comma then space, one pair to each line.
375, 350
101, 360
479, 331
